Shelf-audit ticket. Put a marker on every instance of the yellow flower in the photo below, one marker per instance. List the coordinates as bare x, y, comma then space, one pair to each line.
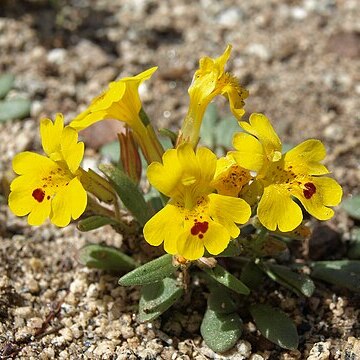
121, 101
296, 174
229, 177
194, 219
48, 186
209, 81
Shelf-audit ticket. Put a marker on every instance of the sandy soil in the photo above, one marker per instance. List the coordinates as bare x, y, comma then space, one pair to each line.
300, 61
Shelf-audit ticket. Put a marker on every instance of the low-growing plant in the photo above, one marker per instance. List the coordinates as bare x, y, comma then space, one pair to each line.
223, 211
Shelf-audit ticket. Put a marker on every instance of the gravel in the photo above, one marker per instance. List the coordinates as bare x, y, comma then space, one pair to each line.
300, 62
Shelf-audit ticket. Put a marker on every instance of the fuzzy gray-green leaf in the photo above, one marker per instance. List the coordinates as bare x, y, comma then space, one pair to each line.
225, 130
151, 272
345, 273
298, 283
6, 83
208, 128
14, 109
94, 222
105, 258
111, 151
352, 206
251, 275
354, 248
223, 277
157, 298
128, 192
275, 326
221, 326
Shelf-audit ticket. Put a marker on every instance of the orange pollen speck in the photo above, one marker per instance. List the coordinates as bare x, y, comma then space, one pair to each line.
38, 195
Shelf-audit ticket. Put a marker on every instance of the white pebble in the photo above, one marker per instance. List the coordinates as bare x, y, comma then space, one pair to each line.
298, 13
56, 56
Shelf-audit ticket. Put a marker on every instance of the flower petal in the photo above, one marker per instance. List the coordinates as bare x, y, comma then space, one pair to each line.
28, 162
227, 211
114, 93
207, 162
165, 177
165, 226
328, 193
71, 150
21, 201
189, 163
190, 247
69, 202
51, 133
87, 118
235, 94
262, 129
229, 178
120, 101
216, 239
250, 154
39, 213
276, 209
306, 157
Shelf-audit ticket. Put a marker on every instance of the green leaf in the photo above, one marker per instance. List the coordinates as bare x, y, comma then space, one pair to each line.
14, 109
286, 147
219, 300
225, 131
221, 326
111, 151
208, 127
352, 206
95, 222
151, 272
156, 298
153, 198
354, 248
345, 273
298, 283
251, 275
6, 83
275, 326
128, 192
105, 258
170, 138
223, 277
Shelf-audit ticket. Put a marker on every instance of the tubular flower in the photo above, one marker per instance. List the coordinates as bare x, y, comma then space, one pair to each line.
209, 81
194, 219
229, 177
49, 186
296, 174
121, 101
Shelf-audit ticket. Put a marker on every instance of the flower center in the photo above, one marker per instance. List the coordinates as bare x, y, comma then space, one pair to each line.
199, 228
310, 190
38, 195
51, 182
231, 181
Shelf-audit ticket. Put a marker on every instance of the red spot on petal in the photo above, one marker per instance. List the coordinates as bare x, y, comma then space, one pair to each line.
201, 236
199, 227
310, 190
38, 195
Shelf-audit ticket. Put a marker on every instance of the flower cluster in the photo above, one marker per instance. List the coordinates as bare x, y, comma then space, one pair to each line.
195, 217
207, 197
